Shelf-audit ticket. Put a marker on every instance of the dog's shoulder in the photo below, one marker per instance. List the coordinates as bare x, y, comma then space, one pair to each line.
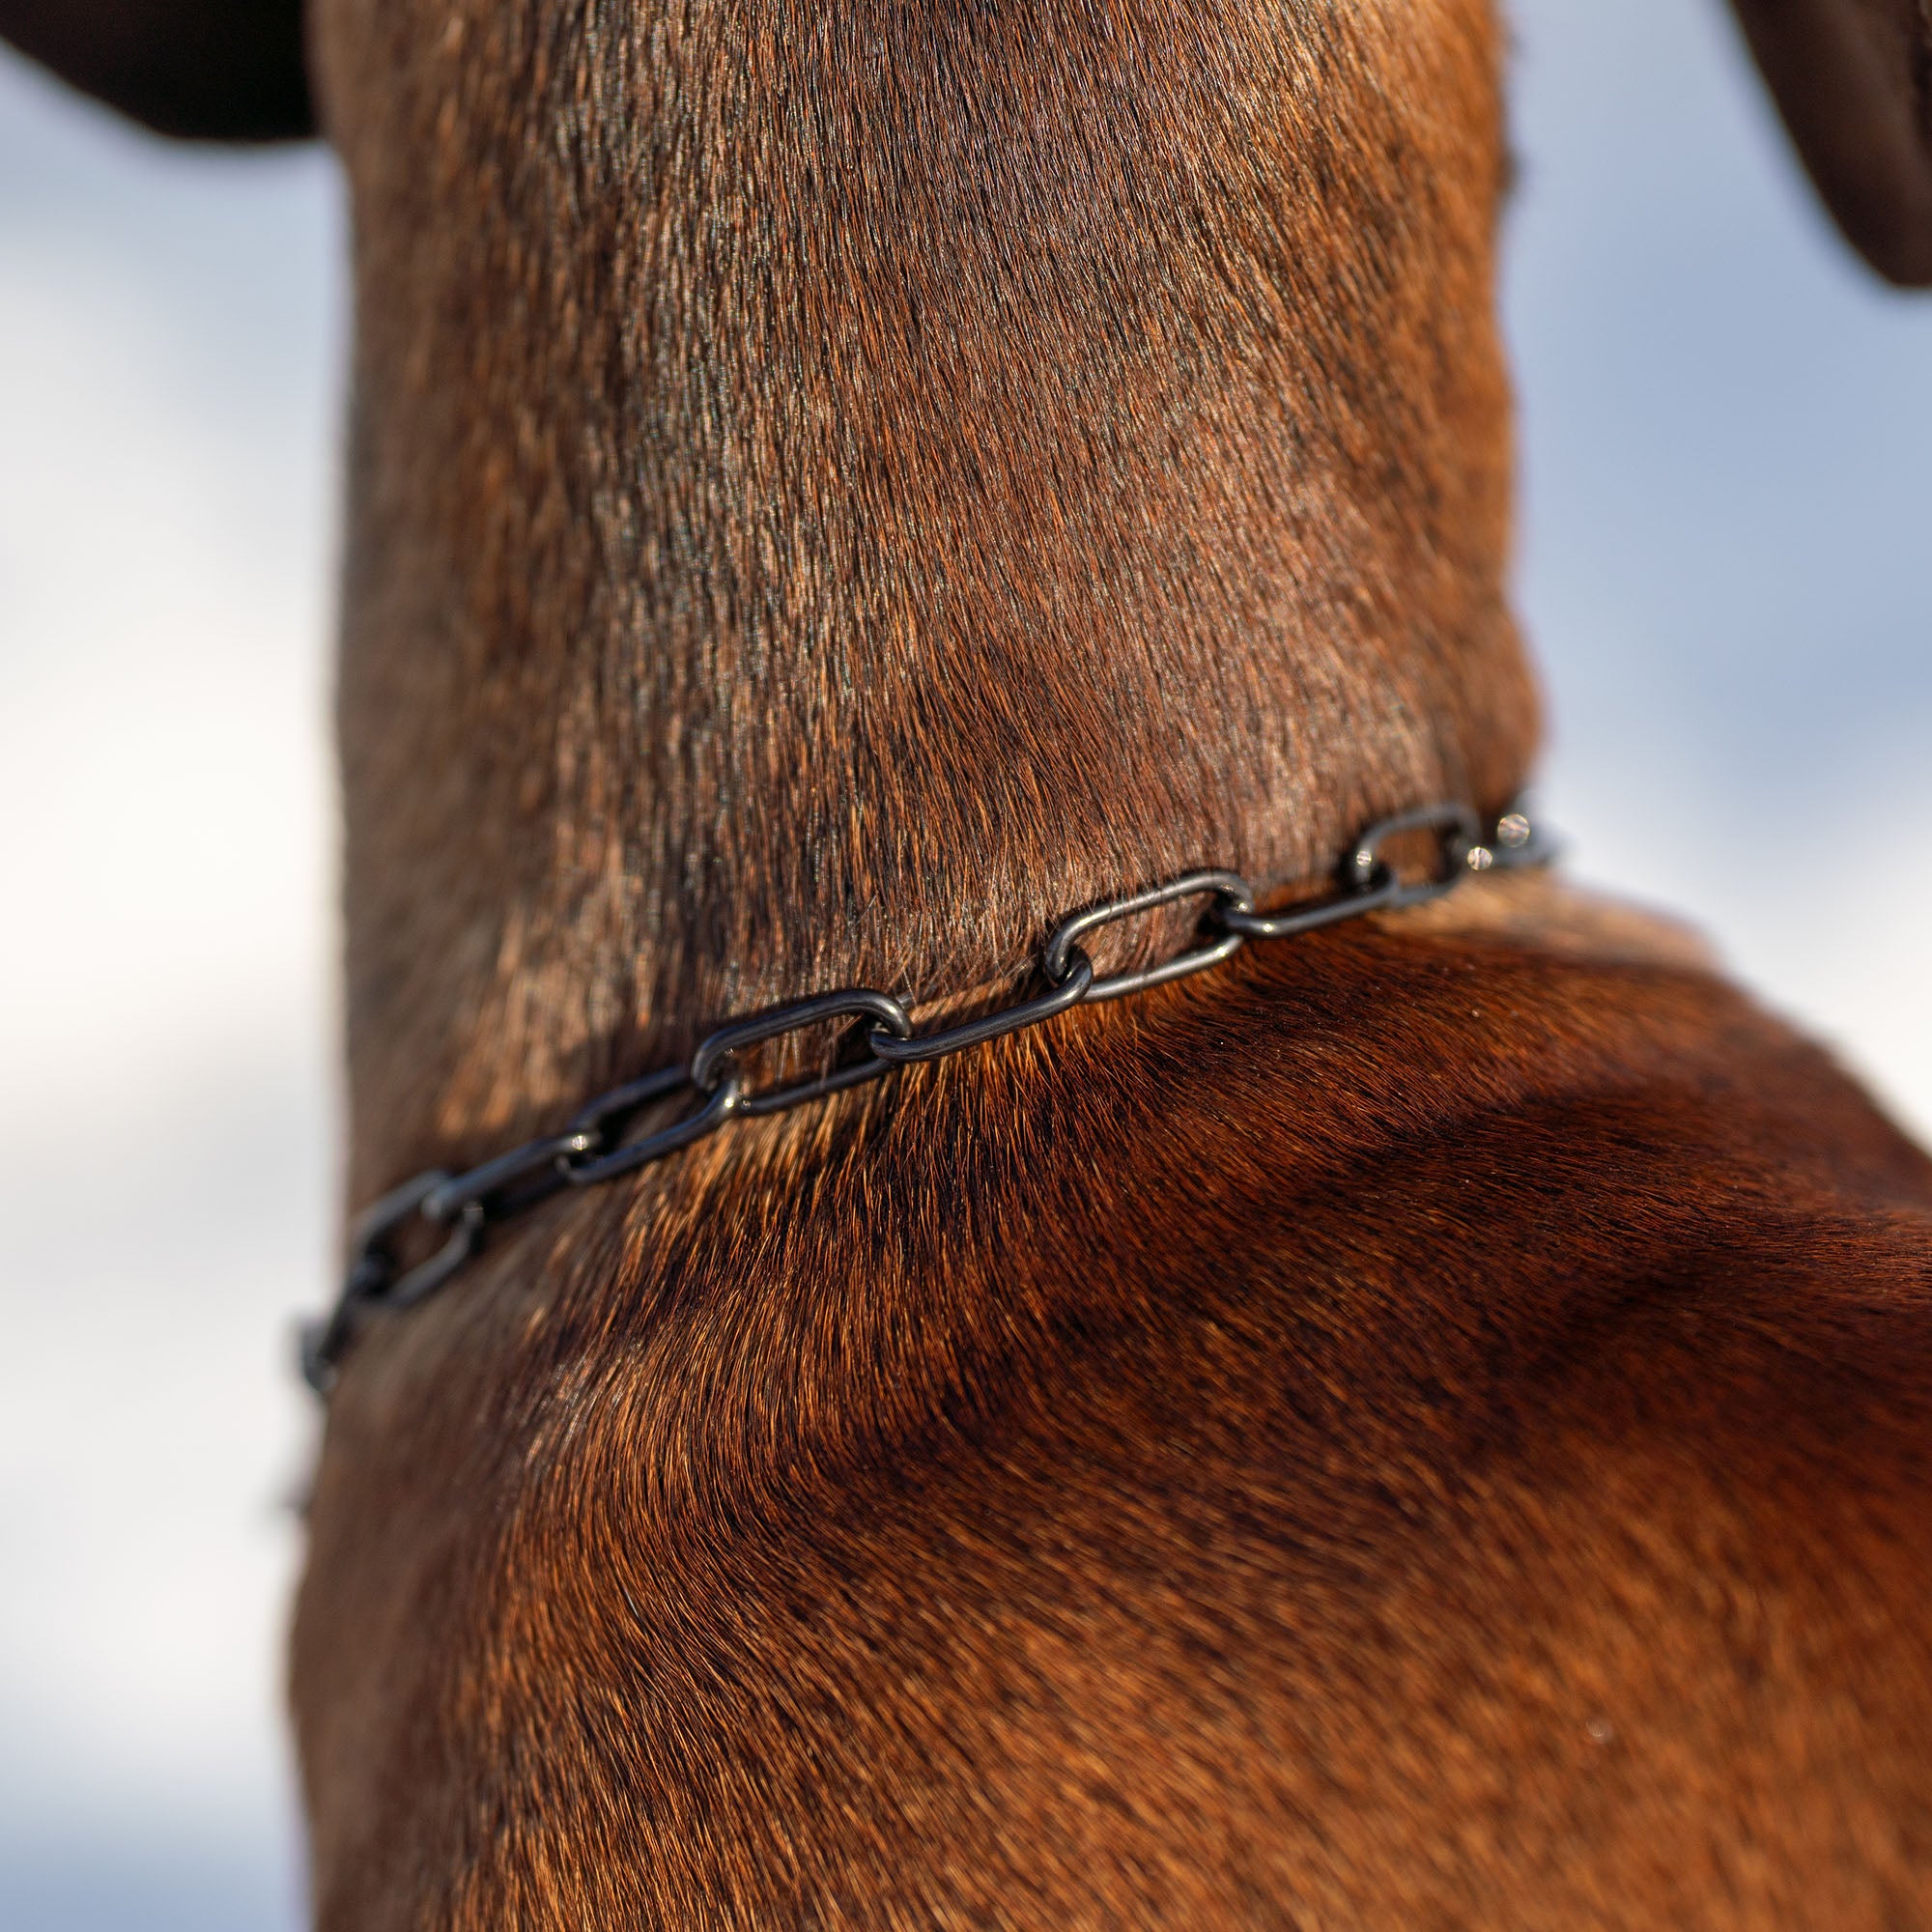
1550, 1157
1587, 1325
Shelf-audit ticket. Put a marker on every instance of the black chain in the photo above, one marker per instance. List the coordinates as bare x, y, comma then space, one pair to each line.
593, 1149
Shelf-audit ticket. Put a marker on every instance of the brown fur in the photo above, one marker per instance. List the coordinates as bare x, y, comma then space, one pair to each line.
1425, 1427
862, 478
1853, 79
1429, 1429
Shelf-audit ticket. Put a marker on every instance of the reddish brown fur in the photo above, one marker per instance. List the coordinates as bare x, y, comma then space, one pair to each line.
860, 478
1424, 1427
1428, 1430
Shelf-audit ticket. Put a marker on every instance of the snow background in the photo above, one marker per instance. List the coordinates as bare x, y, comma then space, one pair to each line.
1727, 448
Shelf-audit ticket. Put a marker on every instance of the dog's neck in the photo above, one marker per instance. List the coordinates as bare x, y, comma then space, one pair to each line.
824, 501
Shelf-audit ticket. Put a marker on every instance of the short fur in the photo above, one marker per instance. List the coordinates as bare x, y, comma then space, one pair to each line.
1425, 1427
1854, 81
862, 478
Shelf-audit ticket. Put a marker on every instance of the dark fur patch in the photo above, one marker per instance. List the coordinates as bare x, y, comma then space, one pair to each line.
202, 70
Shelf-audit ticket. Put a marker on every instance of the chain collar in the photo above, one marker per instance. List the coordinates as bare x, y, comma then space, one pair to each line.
593, 1149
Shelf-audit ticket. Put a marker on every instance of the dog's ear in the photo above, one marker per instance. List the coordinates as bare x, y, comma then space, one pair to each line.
205, 69
1853, 79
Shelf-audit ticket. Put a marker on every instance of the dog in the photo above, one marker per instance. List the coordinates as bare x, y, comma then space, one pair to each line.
1427, 1424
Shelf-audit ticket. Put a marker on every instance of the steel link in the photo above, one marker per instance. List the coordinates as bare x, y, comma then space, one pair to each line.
609, 1112
1228, 890
1308, 917
988, 1026
719, 1107
461, 1208
1370, 884
378, 1225
755, 1106
426, 1277
708, 1063
485, 1185
1458, 830
372, 1276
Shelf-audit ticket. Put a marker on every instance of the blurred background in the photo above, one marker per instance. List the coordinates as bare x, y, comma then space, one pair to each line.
1727, 457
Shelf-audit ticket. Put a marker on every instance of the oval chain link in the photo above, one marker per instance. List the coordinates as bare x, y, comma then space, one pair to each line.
593, 1149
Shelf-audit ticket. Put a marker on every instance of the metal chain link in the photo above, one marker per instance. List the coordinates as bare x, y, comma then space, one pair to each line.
458, 1208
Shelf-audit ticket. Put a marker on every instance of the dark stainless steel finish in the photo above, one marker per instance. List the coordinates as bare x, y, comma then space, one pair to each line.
590, 1170
1231, 894
592, 1150
707, 1063
988, 1026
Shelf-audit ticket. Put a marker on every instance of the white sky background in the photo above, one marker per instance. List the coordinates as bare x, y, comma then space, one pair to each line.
1729, 463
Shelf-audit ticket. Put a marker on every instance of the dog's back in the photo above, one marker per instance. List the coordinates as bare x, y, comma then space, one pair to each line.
1430, 1432
1423, 1426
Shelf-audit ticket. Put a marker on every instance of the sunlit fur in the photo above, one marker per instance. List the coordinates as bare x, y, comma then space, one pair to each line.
833, 486
1426, 1427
